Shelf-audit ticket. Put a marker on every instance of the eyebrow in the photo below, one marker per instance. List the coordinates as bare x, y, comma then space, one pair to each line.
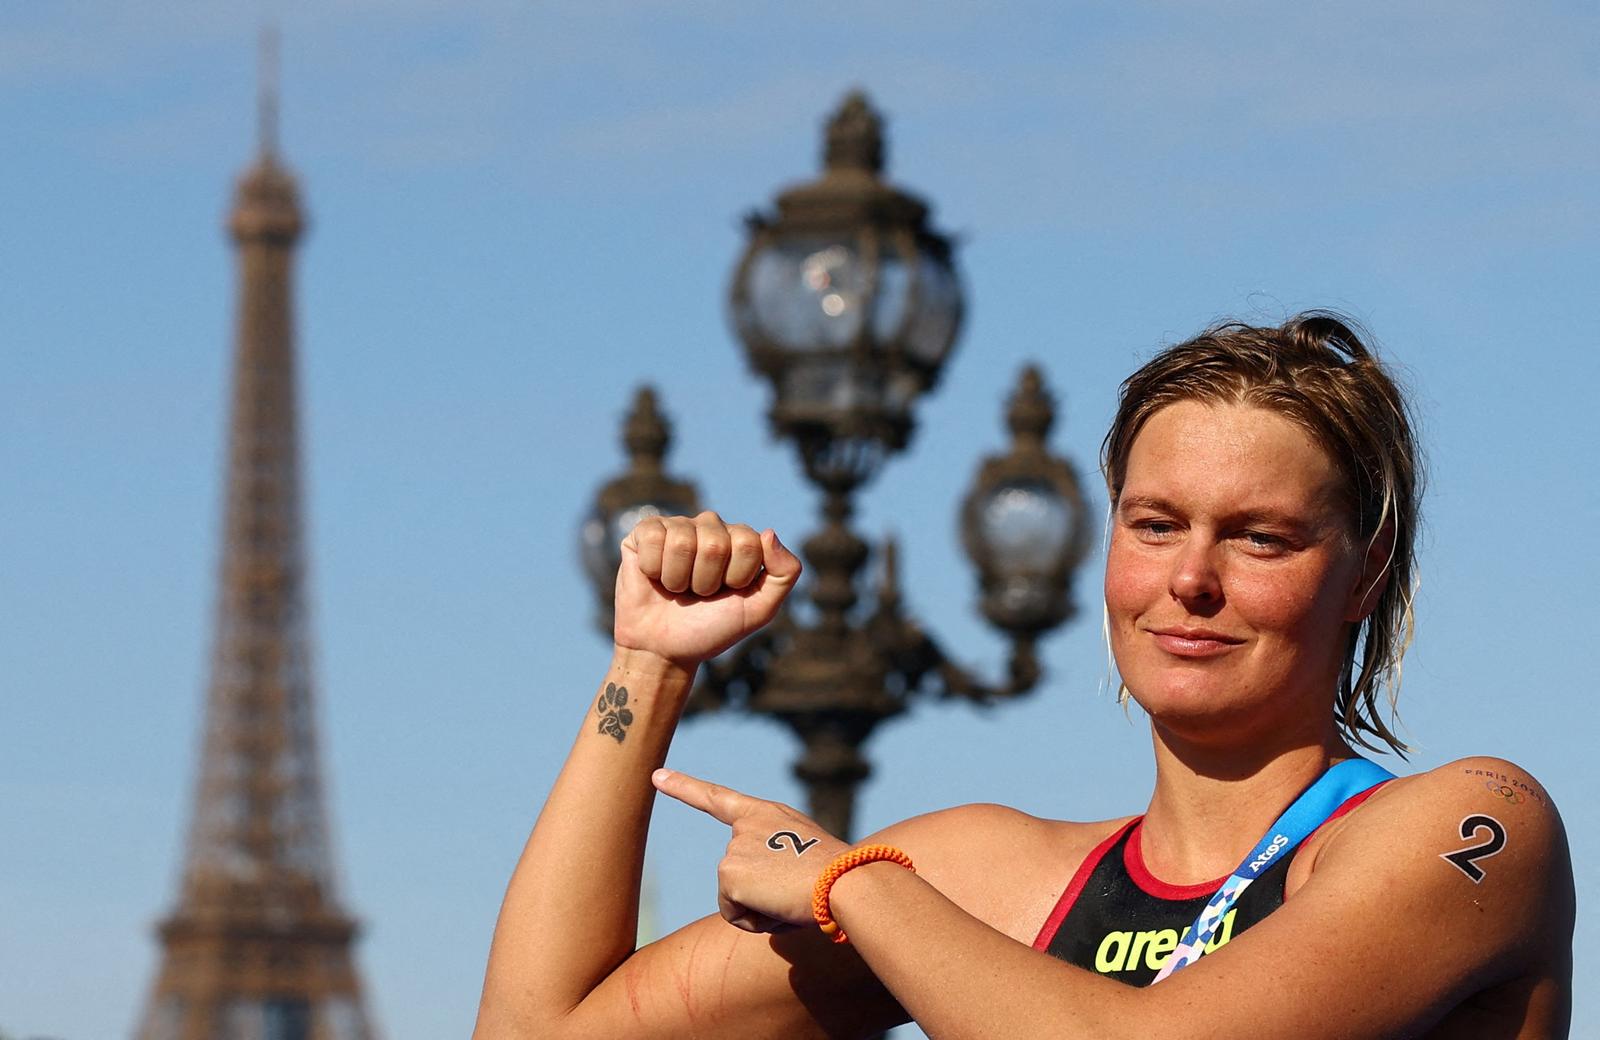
1160, 505
1246, 517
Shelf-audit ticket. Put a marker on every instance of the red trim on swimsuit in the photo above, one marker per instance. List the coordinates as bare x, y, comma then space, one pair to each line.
1079, 879
1133, 859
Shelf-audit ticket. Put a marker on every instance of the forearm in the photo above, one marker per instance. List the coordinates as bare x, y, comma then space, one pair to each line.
958, 977
570, 913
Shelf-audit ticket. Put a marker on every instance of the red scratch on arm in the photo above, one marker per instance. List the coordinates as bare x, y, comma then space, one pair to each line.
630, 980
684, 979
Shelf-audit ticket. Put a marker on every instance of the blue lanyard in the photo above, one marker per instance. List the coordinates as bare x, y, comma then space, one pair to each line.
1308, 812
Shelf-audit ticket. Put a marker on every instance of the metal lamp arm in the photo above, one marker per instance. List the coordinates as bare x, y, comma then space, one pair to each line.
924, 666
952, 679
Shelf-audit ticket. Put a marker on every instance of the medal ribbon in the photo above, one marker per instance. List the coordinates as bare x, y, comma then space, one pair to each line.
1308, 812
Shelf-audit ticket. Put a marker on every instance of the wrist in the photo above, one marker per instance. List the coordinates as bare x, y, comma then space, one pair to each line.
647, 666
861, 872
857, 886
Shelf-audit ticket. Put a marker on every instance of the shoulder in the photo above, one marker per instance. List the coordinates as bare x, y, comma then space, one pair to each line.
1468, 789
1476, 839
969, 830
1001, 865
1485, 781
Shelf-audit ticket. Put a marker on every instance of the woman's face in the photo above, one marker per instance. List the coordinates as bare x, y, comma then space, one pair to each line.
1232, 575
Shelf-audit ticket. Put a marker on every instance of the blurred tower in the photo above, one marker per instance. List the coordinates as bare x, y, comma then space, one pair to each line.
258, 947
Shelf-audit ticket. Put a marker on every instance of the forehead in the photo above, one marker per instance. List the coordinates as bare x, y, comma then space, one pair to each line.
1234, 456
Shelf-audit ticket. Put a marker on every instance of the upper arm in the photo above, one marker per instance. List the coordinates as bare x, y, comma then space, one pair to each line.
1442, 887
1002, 866
710, 979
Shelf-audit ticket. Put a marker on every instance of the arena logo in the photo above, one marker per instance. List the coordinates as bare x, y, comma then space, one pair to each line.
1124, 951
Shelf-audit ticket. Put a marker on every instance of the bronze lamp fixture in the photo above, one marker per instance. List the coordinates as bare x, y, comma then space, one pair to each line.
849, 303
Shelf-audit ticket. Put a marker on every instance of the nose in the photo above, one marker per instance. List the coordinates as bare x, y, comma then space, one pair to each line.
1194, 581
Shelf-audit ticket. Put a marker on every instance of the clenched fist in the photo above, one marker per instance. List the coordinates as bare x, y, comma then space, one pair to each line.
690, 588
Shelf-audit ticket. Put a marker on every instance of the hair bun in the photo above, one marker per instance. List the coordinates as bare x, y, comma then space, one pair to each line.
1323, 330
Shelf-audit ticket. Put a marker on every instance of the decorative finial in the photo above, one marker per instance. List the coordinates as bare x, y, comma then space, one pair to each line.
646, 432
1031, 410
855, 136
267, 93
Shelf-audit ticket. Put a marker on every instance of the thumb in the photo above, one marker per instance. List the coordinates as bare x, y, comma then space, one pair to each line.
781, 564
780, 570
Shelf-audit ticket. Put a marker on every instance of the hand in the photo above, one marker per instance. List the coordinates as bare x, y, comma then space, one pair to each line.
690, 588
765, 879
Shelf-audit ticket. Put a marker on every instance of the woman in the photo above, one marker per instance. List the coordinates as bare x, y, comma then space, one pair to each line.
1258, 583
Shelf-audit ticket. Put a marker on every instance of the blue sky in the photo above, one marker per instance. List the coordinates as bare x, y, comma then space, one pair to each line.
520, 211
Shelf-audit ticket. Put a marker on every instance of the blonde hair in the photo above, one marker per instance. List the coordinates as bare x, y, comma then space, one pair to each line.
1314, 371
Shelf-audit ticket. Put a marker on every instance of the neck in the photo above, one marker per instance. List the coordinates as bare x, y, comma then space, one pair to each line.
1212, 803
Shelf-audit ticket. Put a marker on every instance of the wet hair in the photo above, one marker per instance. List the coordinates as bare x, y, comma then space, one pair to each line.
1315, 371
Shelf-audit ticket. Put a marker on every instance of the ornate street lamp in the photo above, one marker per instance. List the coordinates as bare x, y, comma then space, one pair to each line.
849, 303
644, 490
1024, 524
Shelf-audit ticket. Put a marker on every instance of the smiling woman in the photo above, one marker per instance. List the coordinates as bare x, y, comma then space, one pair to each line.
1234, 568
1315, 374
1264, 486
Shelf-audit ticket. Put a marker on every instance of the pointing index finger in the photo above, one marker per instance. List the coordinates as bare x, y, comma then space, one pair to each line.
721, 803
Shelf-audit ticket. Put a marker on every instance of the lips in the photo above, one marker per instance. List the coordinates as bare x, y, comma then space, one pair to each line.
1194, 642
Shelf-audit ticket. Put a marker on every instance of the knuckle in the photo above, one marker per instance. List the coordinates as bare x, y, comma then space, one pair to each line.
679, 544
649, 531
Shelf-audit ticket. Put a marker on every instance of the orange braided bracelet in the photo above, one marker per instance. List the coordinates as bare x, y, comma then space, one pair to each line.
843, 862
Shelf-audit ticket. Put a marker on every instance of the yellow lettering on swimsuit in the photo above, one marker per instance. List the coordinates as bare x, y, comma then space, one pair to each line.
1123, 951
1113, 952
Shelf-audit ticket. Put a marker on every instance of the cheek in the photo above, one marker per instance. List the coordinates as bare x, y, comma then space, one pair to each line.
1131, 581
1301, 604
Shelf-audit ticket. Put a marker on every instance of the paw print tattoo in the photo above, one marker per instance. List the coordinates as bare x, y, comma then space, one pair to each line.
615, 718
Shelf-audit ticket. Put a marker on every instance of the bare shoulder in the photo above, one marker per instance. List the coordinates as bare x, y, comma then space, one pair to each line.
1483, 795
1488, 781
1001, 865
1476, 839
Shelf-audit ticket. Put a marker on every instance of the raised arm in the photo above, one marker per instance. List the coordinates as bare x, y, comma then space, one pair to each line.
563, 962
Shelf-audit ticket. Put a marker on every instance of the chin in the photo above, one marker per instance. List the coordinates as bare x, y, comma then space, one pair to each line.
1189, 702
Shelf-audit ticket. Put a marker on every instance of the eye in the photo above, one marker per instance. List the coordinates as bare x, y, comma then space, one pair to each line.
1155, 530
1263, 544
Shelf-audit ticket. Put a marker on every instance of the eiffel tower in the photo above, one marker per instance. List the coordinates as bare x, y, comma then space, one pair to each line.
258, 947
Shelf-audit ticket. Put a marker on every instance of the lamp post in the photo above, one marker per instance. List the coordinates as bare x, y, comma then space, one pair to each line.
848, 302
644, 490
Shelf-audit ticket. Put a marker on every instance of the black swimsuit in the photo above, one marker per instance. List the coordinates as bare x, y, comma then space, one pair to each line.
1119, 920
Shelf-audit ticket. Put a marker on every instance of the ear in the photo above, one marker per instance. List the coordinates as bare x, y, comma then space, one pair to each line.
1375, 571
